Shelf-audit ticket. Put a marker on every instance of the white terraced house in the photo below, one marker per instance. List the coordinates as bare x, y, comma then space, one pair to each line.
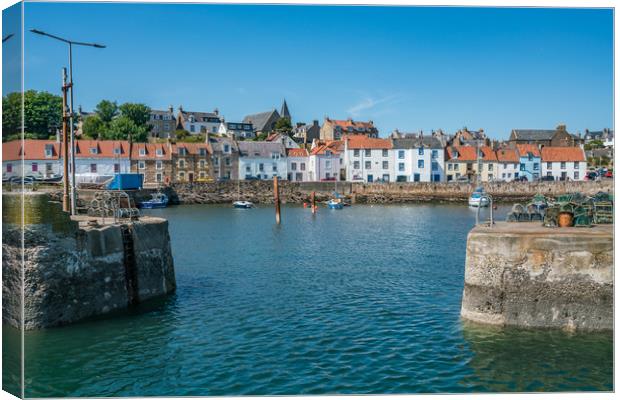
262, 160
326, 160
41, 158
564, 163
368, 159
418, 159
298, 165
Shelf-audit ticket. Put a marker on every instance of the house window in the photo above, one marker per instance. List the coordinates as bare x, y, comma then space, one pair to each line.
367, 165
35, 167
416, 177
490, 167
202, 163
202, 174
142, 152
248, 169
117, 150
93, 168
216, 160
9, 168
293, 166
401, 166
576, 165
302, 166
274, 167
435, 166
141, 165
49, 150
158, 164
275, 156
529, 157
226, 148
549, 173
181, 176
328, 164
563, 165
159, 152
449, 167
182, 151
420, 163
158, 177
434, 154
385, 153
367, 152
576, 175
522, 167
549, 165
117, 168
166, 126
227, 161
490, 177
261, 167
401, 154
181, 163
93, 150
356, 165
203, 152
536, 166
356, 153
386, 165
421, 151
192, 128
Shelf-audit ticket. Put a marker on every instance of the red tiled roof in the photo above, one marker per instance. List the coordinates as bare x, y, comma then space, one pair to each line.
551, 154
151, 151
523, 149
507, 155
364, 142
468, 153
105, 148
34, 150
297, 152
345, 123
335, 146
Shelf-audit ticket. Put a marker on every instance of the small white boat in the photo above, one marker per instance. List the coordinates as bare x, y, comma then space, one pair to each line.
336, 204
158, 200
478, 198
243, 204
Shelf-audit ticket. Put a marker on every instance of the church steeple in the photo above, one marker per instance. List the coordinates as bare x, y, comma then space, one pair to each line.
284, 113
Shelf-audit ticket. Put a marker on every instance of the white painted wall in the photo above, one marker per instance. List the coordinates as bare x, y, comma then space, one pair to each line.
506, 171
555, 169
324, 166
14, 168
251, 166
368, 162
297, 166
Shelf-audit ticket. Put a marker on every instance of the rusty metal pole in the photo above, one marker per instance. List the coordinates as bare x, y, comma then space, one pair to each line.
276, 194
65, 145
313, 202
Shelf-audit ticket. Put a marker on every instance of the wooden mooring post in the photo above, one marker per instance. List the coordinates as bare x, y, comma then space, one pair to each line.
313, 202
276, 194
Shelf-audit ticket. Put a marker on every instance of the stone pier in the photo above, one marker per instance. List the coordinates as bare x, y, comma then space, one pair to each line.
74, 269
526, 275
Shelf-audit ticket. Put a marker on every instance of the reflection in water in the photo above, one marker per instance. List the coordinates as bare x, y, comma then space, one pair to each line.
509, 359
11, 356
360, 300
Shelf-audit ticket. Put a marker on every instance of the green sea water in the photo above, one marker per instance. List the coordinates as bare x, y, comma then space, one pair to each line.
360, 300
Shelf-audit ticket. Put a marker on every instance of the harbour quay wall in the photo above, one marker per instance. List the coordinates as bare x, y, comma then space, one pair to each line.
372, 193
526, 275
73, 269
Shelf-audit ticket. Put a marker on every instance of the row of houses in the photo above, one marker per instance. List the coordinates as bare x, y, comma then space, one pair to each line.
354, 158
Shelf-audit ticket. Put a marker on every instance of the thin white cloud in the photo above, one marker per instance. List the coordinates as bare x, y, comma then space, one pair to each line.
371, 103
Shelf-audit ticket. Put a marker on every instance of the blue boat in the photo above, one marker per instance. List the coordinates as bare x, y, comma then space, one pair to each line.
335, 204
158, 200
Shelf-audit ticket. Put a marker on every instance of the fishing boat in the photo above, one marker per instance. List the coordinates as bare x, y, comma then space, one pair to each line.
335, 204
479, 198
243, 204
158, 200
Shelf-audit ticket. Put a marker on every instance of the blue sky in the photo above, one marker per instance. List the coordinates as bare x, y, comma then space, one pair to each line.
409, 68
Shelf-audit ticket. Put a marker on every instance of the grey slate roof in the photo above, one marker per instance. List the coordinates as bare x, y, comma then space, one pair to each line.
284, 112
217, 144
260, 120
200, 116
534, 134
261, 149
430, 142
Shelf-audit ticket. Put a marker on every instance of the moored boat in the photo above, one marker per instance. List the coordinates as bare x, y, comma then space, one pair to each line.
243, 204
479, 198
336, 204
158, 200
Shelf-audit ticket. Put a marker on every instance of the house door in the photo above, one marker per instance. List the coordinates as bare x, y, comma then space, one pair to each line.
386, 177
48, 169
191, 177
370, 179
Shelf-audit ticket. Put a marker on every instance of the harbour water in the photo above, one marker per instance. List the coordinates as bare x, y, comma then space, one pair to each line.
360, 300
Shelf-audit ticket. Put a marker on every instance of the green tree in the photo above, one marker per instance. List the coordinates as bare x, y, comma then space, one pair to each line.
283, 125
42, 112
107, 110
139, 113
594, 144
93, 127
123, 128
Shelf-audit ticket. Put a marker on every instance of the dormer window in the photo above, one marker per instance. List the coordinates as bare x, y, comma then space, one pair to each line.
142, 152
93, 150
182, 151
455, 154
203, 152
159, 152
117, 150
226, 148
192, 119
49, 150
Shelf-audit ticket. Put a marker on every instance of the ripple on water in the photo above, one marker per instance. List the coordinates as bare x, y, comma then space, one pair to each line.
365, 300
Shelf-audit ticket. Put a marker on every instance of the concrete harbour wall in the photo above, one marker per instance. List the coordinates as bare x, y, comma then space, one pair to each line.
74, 270
522, 274
379, 193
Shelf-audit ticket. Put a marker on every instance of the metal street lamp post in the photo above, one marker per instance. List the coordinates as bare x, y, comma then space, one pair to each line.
70, 85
